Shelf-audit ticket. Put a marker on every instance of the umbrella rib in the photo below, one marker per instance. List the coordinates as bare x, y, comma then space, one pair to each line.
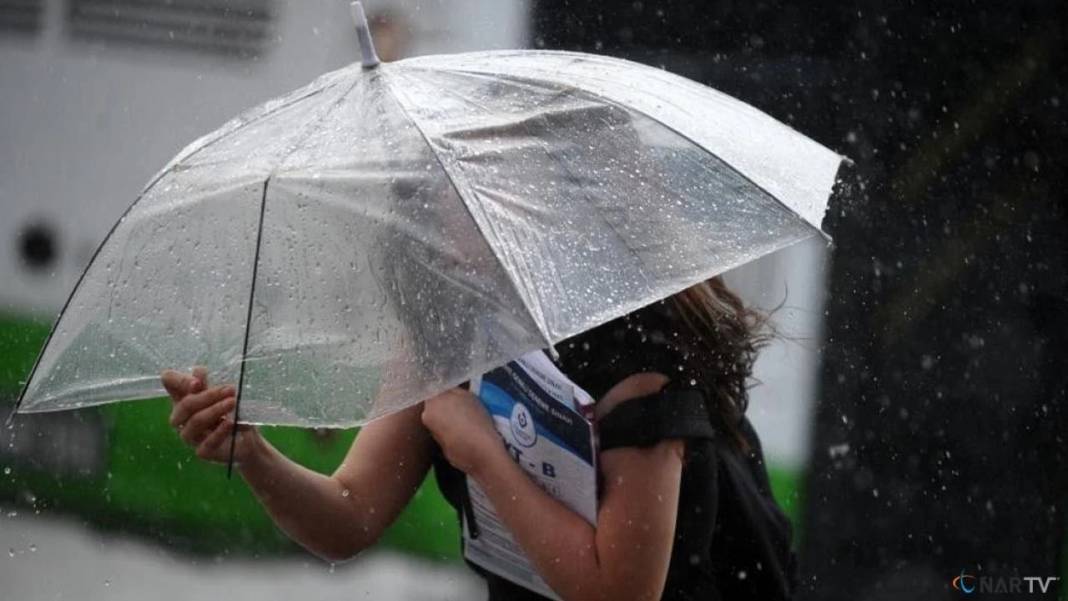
70, 297
452, 182
155, 180
245, 124
714, 156
256, 264
552, 84
248, 327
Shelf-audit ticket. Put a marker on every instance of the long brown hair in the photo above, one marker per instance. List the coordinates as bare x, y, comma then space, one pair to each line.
725, 338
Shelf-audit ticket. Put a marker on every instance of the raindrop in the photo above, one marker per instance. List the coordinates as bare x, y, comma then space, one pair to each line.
33, 548
345, 492
838, 450
7, 471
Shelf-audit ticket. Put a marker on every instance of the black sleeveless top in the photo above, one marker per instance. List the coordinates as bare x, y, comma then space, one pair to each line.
732, 541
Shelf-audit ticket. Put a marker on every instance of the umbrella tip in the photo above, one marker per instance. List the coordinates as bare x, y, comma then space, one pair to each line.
554, 353
369, 58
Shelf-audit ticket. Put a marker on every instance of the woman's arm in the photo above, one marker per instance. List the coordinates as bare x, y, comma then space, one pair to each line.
334, 516
338, 516
626, 555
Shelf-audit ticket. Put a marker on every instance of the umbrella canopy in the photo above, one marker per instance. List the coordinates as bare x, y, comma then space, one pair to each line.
389, 231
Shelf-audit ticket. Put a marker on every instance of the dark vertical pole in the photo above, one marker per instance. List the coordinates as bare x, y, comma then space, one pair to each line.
248, 329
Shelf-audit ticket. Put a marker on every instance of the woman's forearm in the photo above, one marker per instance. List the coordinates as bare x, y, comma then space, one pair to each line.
315, 510
561, 544
626, 556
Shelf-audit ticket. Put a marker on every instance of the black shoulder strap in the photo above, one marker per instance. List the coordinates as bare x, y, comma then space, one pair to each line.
643, 421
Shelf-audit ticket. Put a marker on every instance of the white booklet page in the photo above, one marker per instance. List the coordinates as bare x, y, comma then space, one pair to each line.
545, 421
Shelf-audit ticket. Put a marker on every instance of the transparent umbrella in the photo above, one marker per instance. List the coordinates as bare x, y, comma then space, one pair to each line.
391, 230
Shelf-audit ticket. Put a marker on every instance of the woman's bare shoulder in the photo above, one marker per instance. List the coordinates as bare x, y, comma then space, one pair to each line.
632, 387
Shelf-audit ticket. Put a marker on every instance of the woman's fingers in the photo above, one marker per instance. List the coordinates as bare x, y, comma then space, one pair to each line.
176, 383
200, 413
200, 374
173, 383
179, 384
192, 403
204, 421
208, 447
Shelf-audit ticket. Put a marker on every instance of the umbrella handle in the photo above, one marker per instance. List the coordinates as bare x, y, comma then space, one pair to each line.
369, 58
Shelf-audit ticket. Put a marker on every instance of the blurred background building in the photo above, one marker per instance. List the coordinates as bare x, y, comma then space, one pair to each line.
913, 424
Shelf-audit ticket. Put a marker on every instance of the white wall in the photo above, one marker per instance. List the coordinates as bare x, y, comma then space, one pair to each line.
781, 407
84, 125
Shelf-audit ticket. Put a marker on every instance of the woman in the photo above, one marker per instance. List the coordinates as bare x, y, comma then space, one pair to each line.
685, 510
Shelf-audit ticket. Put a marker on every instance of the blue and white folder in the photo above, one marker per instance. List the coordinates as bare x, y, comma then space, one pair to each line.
547, 427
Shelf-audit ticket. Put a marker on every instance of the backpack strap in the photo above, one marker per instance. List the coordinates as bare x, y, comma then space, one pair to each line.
644, 421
